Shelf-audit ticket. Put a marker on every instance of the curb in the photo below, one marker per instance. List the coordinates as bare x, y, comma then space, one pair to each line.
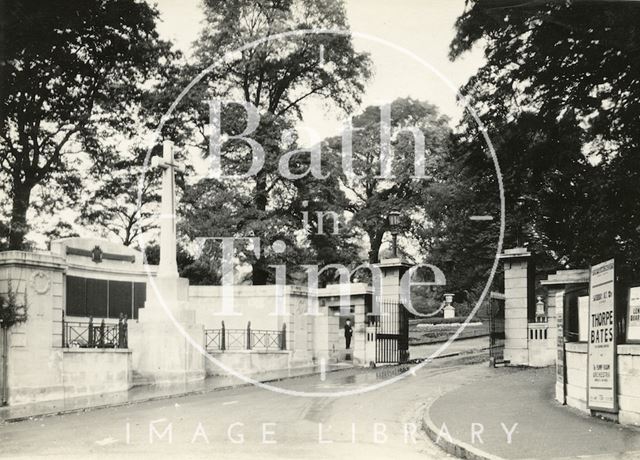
452, 446
75, 410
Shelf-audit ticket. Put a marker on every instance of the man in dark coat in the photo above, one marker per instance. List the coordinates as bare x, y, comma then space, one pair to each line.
348, 332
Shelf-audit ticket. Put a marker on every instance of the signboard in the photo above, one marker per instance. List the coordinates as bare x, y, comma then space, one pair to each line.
560, 380
583, 318
633, 315
602, 338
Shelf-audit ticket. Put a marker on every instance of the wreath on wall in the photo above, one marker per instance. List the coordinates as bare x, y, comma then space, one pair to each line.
11, 312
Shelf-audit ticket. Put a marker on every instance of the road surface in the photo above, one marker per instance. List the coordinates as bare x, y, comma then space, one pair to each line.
250, 422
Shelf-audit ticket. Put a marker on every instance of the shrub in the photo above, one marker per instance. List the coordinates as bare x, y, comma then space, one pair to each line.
10, 312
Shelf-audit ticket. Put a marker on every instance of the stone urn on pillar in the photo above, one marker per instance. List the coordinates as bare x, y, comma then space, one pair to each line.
449, 309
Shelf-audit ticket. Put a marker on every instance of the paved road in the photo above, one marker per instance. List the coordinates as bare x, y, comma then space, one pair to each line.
251, 422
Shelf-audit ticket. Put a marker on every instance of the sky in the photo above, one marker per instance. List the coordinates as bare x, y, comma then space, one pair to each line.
420, 27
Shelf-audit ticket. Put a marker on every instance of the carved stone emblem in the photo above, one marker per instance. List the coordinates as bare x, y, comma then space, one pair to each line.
40, 282
96, 254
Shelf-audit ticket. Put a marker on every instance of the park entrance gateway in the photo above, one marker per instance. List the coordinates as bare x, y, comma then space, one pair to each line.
585, 321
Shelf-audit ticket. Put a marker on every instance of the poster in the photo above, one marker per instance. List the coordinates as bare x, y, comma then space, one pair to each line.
602, 338
583, 318
560, 343
633, 315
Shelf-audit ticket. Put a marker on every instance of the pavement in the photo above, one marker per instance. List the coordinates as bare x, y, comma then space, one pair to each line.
469, 409
250, 422
144, 393
521, 402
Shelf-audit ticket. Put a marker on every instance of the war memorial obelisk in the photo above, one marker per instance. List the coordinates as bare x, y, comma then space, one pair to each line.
162, 351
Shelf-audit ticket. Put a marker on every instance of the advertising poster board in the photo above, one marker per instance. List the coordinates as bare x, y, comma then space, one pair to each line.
633, 315
560, 366
602, 338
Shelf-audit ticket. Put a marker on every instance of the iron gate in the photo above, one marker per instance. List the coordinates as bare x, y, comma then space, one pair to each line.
496, 328
392, 332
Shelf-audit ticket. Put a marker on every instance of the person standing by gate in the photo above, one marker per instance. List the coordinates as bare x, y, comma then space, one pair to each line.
348, 332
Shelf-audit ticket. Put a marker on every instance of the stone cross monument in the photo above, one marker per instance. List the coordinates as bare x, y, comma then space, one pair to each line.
168, 265
162, 353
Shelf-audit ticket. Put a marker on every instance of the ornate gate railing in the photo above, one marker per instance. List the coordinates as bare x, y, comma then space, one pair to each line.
496, 328
391, 321
81, 334
245, 339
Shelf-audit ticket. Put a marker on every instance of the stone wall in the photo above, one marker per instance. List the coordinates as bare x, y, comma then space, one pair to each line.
258, 305
576, 371
628, 380
250, 303
95, 371
34, 357
38, 368
248, 363
629, 384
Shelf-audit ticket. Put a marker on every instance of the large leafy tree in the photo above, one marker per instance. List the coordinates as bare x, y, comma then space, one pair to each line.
560, 96
112, 205
369, 196
277, 77
72, 74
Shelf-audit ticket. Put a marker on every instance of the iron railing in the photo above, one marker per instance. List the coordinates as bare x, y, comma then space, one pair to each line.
245, 339
86, 334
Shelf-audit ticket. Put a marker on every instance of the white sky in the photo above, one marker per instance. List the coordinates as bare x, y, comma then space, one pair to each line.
423, 27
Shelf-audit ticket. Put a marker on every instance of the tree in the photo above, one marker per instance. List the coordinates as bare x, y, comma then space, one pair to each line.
112, 207
72, 73
370, 198
560, 92
540, 186
277, 77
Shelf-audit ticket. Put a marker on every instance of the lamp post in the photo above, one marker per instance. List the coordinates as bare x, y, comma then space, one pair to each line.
394, 222
521, 202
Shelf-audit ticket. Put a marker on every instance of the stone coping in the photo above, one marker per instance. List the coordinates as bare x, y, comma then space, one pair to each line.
75, 269
562, 277
333, 290
96, 320
576, 347
53, 261
250, 352
623, 349
629, 349
243, 290
514, 253
34, 259
395, 262
96, 350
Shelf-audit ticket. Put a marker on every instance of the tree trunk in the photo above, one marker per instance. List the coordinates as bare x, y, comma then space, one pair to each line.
375, 241
259, 275
18, 227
